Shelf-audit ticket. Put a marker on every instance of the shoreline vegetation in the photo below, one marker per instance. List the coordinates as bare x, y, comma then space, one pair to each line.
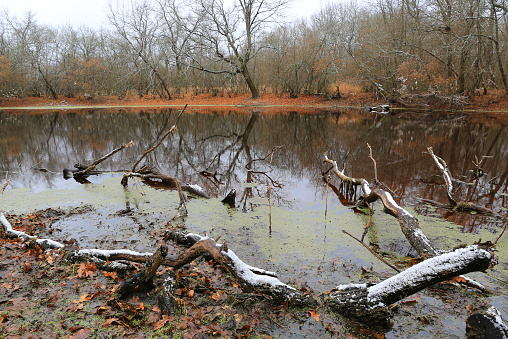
492, 104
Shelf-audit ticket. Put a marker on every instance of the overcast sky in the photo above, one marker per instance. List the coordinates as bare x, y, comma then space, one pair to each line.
92, 13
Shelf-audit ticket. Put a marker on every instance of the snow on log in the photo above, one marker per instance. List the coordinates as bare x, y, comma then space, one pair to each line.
371, 302
12, 233
250, 277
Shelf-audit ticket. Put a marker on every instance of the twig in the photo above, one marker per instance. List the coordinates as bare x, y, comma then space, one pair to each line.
368, 224
374, 161
98, 161
269, 189
372, 251
504, 229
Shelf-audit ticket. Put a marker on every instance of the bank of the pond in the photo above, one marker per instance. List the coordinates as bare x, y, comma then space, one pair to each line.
494, 105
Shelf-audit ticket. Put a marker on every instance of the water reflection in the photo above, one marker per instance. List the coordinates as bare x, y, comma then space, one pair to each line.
225, 143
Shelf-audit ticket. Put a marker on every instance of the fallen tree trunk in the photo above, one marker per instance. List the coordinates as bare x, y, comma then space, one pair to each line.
371, 302
12, 233
359, 300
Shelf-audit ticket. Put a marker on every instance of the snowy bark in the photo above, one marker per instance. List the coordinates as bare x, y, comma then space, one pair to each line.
12, 233
371, 302
251, 278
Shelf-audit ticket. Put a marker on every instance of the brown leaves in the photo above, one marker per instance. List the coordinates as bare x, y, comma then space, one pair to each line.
218, 296
83, 298
164, 320
314, 315
112, 275
87, 270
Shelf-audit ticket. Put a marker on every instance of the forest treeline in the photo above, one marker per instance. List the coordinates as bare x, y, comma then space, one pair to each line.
171, 47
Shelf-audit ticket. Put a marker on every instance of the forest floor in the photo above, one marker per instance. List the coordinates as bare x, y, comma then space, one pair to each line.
43, 295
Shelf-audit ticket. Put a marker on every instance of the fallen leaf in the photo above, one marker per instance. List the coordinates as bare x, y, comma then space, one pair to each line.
190, 293
84, 297
314, 315
81, 334
111, 275
160, 324
76, 328
111, 321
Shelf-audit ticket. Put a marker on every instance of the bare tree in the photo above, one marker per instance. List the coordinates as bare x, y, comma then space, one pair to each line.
137, 24
228, 34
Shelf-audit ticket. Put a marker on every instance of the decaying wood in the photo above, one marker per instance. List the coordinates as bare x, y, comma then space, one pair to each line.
165, 297
486, 324
86, 170
12, 233
147, 174
453, 203
143, 280
250, 278
361, 301
371, 302
408, 224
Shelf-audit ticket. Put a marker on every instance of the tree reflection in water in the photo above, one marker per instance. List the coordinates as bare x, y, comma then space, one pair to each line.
225, 143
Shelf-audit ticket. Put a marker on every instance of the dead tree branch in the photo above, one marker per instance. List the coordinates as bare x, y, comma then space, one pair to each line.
453, 203
409, 224
372, 251
12, 233
83, 172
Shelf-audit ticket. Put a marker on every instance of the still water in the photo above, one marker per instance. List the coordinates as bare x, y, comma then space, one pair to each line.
297, 232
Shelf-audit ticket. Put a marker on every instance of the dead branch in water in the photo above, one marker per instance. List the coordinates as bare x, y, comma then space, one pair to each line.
453, 203
409, 224
83, 171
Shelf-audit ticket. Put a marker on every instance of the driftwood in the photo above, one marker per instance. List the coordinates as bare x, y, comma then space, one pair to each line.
371, 302
365, 302
82, 170
453, 203
170, 131
408, 224
143, 280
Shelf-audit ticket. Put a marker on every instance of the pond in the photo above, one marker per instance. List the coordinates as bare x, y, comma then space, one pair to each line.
285, 218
